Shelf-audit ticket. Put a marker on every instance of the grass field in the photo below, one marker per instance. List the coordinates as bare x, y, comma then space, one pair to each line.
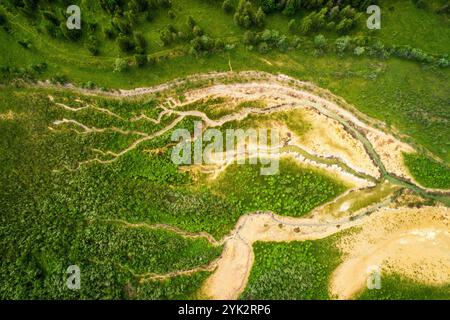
428, 172
303, 188
290, 271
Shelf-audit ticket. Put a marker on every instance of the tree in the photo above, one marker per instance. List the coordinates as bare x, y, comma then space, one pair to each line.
290, 7
306, 26
219, 44
93, 45
334, 13
151, 60
292, 25
420, 4
227, 6
140, 59
268, 5
249, 37
198, 32
342, 44
138, 5
244, 15
73, 35
125, 44
166, 36
191, 22
282, 43
260, 18
141, 43
320, 42
2, 19
331, 26
108, 31
344, 26
263, 47
120, 65
359, 51
121, 25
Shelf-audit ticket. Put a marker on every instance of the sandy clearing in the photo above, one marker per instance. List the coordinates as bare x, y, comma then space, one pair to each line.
231, 273
344, 207
391, 152
412, 242
328, 138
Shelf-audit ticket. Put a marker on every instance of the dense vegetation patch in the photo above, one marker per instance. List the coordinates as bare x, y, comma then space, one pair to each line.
51, 220
427, 172
295, 270
294, 191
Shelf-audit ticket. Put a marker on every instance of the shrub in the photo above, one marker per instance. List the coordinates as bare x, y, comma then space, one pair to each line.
198, 32
72, 35
140, 60
227, 6
108, 31
292, 25
249, 37
359, 51
2, 19
263, 47
120, 65
320, 42
171, 14
260, 18
151, 60
125, 44
141, 43
59, 79
342, 44
93, 45
25, 43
